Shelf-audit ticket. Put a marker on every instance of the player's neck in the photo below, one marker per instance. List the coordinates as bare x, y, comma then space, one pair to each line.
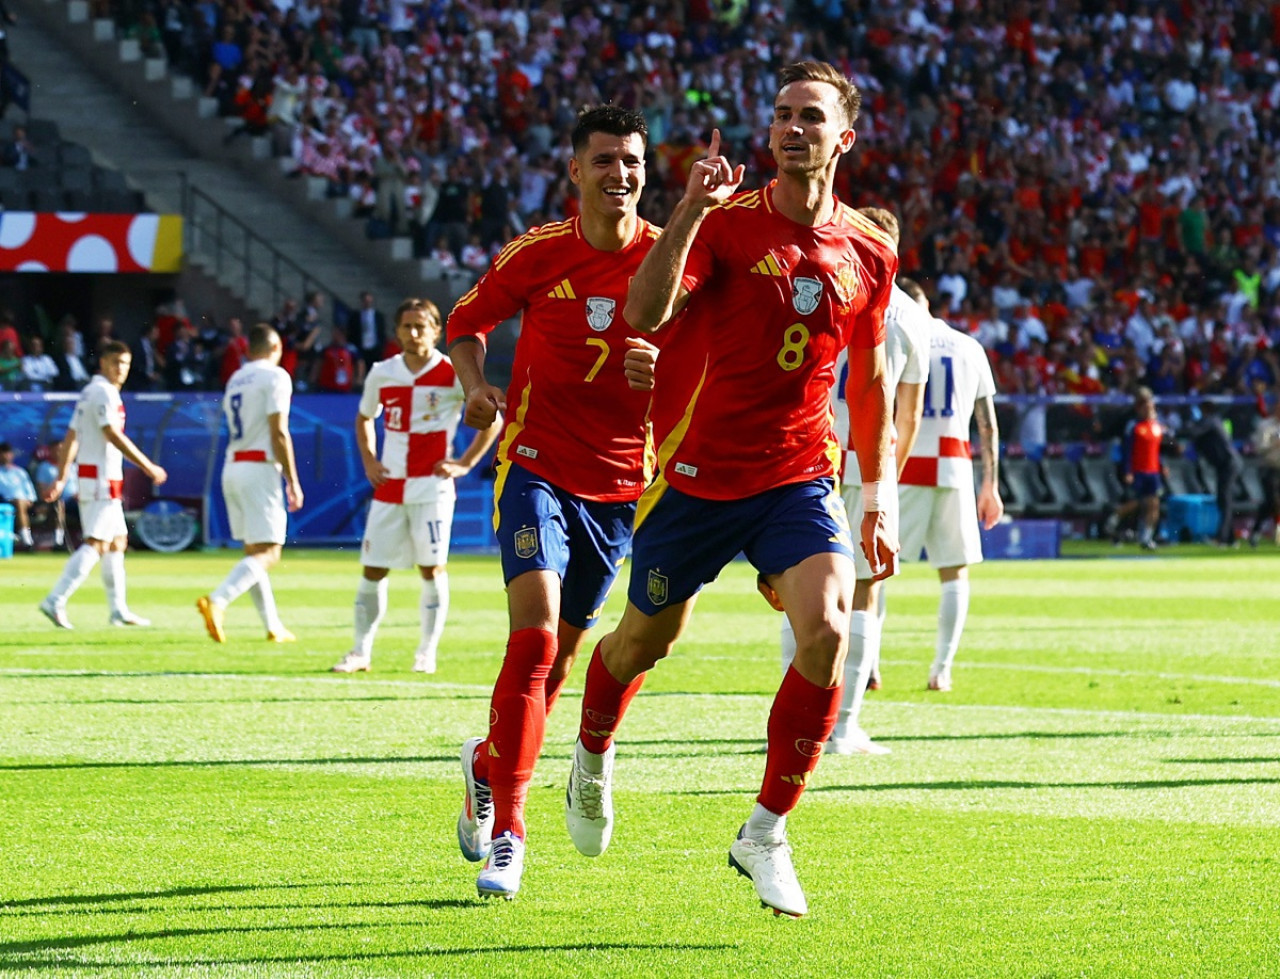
608, 234
804, 198
416, 362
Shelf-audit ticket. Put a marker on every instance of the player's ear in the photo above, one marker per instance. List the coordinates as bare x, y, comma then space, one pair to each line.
847, 139
575, 171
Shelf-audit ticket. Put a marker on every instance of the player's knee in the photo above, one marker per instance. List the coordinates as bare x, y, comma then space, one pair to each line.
431, 572
639, 653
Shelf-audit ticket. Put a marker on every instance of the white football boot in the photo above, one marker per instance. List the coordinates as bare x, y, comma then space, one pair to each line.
588, 804
770, 869
854, 742
354, 662
502, 873
475, 822
57, 614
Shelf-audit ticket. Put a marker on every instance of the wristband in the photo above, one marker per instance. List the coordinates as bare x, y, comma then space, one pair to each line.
876, 496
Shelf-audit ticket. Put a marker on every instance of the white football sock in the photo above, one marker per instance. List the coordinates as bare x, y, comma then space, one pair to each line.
113, 581
433, 609
788, 644
247, 572
371, 606
73, 575
864, 649
952, 611
764, 826
264, 600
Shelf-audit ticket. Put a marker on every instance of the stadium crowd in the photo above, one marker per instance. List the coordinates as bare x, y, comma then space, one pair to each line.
1091, 187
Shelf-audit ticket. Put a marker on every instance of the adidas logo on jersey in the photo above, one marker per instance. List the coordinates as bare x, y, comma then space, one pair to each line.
562, 291
767, 266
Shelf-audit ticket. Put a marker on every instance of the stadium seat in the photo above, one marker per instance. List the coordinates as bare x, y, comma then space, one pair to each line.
1103, 484
1062, 479
74, 156
43, 132
77, 179
47, 200
109, 179
1022, 490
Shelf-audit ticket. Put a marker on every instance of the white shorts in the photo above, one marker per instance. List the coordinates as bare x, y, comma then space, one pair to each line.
400, 535
255, 502
102, 519
943, 522
853, 509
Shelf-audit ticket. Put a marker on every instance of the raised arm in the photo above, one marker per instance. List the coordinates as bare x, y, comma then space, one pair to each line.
656, 293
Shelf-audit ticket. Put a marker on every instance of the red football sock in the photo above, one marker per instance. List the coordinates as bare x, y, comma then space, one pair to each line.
517, 724
604, 701
553, 691
800, 722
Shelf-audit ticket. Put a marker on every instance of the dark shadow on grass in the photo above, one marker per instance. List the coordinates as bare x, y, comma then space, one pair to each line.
60, 962
1222, 761
79, 899
248, 700
223, 763
202, 908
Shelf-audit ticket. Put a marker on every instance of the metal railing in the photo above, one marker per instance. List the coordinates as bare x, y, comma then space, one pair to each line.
242, 258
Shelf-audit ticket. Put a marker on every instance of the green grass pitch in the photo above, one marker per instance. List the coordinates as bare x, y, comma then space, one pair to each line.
1099, 796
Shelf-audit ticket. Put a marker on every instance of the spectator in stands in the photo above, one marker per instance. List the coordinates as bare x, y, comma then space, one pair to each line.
368, 327
39, 372
306, 339
185, 360
72, 372
475, 257
17, 491
46, 475
10, 367
9, 332
147, 372
252, 103
339, 366
453, 210
18, 151
104, 332
235, 350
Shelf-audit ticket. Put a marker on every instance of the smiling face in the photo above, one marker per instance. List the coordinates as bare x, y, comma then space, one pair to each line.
609, 173
809, 129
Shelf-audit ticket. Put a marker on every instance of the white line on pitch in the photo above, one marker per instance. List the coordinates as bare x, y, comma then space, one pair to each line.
1095, 671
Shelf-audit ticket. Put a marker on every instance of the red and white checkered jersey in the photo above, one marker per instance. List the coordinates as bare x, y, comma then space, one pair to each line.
420, 414
256, 391
100, 465
906, 352
959, 374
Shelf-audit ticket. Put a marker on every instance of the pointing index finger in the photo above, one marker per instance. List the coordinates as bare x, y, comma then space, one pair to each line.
713, 150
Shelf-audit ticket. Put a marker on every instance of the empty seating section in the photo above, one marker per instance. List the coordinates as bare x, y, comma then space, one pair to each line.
63, 178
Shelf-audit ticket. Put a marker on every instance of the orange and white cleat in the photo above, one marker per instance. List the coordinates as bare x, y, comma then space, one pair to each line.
281, 635
212, 618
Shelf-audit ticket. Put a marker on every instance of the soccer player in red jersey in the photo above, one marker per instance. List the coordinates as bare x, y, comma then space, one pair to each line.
762, 290
572, 461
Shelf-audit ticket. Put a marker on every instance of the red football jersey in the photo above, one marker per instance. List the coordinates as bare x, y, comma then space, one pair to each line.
742, 402
571, 418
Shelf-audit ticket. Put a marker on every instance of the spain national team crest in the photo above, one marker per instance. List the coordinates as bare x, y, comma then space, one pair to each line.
847, 283
806, 293
526, 542
657, 590
600, 313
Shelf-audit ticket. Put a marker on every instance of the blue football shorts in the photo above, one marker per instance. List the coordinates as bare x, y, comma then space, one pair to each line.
683, 542
541, 527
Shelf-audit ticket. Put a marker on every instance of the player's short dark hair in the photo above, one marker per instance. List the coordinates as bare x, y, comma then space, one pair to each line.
262, 337
884, 219
820, 71
114, 348
412, 305
5, 447
912, 288
613, 120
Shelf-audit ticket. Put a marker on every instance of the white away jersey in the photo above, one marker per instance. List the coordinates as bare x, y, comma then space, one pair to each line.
420, 416
959, 374
100, 465
906, 352
256, 391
